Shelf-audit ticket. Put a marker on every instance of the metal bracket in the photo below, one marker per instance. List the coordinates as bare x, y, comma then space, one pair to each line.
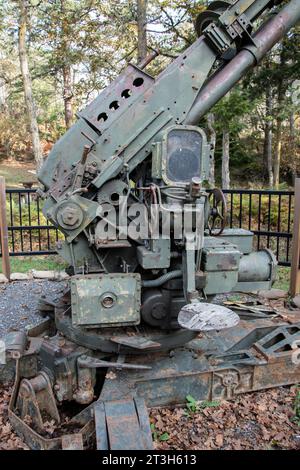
36, 399
221, 36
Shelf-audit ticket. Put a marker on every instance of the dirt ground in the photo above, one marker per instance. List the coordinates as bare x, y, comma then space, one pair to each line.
16, 173
8, 439
254, 421
265, 420
262, 420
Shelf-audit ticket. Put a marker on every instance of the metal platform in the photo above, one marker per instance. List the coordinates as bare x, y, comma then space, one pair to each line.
253, 356
248, 358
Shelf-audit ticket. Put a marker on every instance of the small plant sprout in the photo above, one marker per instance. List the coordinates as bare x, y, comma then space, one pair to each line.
296, 418
156, 436
193, 406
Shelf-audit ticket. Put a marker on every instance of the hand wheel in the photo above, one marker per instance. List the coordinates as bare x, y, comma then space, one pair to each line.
218, 212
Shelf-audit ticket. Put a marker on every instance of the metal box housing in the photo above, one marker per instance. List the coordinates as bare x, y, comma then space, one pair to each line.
240, 237
106, 300
220, 263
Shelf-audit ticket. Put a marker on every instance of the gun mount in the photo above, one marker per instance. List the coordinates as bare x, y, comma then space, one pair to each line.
146, 239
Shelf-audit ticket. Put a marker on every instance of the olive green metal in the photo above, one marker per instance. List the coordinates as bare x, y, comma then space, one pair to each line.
125, 119
263, 41
138, 141
106, 300
156, 256
142, 284
160, 153
241, 238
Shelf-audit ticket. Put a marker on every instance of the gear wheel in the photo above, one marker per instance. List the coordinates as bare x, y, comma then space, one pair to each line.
216, 9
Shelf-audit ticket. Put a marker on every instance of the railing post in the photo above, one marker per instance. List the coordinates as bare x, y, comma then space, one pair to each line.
295, 267
4, 230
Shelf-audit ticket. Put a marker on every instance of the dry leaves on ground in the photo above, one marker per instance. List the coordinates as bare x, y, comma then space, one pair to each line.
8, 439
261, 420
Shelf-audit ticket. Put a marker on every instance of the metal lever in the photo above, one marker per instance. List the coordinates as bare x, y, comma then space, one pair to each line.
93, 363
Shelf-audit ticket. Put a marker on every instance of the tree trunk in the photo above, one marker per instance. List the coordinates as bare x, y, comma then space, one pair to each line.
29, 101
292, 136
66, 69
225, 160
279, 121
210, 119
142, 29
278, 135
68, 96
278, 148
268, 157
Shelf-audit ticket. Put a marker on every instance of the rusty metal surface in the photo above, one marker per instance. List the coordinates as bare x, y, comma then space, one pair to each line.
122, 424
35, 399
253, 360
72, 442
32, 437
4, 231
251, 356
137, 116
136, 342
222, 82
93, 363
101, 339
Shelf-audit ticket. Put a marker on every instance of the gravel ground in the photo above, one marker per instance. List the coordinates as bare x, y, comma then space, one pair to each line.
19, 300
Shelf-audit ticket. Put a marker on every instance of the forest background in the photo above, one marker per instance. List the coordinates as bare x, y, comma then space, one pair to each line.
57, 55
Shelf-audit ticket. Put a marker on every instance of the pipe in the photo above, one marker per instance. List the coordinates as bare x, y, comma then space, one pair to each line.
162, 279
248, 57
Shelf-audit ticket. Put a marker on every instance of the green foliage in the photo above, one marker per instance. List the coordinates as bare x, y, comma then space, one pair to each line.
156, 436
209, 404
23, 264
193, 406
265, 218
96, 40
283, 278
297, 407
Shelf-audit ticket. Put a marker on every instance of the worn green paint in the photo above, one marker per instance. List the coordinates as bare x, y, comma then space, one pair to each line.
88, 294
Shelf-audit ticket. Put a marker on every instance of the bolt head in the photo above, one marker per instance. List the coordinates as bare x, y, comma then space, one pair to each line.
70, 216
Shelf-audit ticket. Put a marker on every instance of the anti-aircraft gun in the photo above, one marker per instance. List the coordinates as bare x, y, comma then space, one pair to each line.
134, 166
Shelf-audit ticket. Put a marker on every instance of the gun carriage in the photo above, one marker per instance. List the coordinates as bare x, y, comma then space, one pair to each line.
148, 250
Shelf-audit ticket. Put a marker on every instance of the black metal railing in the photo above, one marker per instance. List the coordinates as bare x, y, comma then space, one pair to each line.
30, 233
268, 214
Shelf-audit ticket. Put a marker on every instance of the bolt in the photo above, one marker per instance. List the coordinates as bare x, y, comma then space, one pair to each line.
70, 216
56, 387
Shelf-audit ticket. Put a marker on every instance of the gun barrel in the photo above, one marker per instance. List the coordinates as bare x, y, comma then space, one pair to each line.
248, 57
